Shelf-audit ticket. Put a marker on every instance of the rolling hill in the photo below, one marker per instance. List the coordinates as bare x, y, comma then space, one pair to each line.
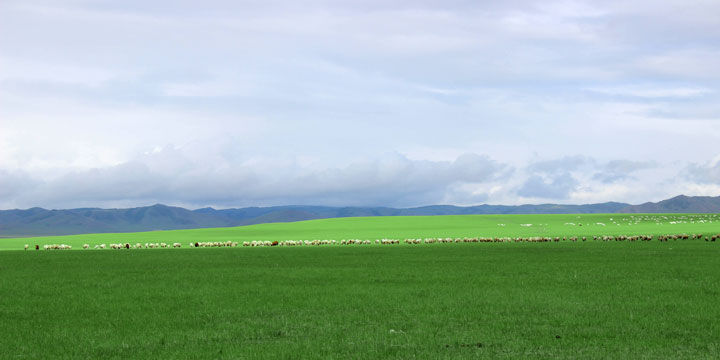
42, 222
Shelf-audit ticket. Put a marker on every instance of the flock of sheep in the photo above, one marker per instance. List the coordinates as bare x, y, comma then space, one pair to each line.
661, 238
135, 246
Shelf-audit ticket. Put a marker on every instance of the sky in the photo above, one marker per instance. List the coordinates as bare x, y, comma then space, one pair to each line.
230, 103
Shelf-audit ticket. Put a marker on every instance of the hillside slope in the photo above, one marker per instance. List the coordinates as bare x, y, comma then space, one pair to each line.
42, 222
678, 204
401, 227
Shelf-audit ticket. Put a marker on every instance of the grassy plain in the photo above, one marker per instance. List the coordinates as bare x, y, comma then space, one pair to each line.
409, 227
440, 301
568, 300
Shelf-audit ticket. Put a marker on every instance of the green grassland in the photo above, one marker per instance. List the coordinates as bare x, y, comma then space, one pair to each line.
617, 300
401, 227
594, 299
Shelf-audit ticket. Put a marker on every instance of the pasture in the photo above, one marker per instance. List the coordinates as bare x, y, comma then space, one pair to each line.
401, 227
569, 300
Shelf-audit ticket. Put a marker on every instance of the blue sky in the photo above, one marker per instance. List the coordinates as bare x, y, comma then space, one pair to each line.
405, 103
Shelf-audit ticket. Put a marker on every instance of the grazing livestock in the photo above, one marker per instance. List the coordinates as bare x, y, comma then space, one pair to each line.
409, 241
57, 247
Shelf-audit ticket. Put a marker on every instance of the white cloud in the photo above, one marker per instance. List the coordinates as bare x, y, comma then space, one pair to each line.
705, 173
29, 70
553, 187
281, 96
653, 92
693, 64
617, 170
179, 176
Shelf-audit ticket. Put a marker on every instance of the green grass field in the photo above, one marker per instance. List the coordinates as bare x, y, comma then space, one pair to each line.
617, 300
409, 227
586, 300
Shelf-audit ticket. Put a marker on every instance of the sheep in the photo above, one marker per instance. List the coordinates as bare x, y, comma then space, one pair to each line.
57, 247
388, 241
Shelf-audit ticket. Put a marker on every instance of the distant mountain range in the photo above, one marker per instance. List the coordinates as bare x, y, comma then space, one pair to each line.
42, 222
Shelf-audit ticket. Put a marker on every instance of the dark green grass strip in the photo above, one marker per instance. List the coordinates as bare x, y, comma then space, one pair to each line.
595, 300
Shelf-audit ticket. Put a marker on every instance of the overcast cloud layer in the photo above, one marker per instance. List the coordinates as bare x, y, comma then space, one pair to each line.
389, 103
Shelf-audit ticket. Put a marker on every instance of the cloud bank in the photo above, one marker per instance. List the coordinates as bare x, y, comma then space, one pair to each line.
357, 102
